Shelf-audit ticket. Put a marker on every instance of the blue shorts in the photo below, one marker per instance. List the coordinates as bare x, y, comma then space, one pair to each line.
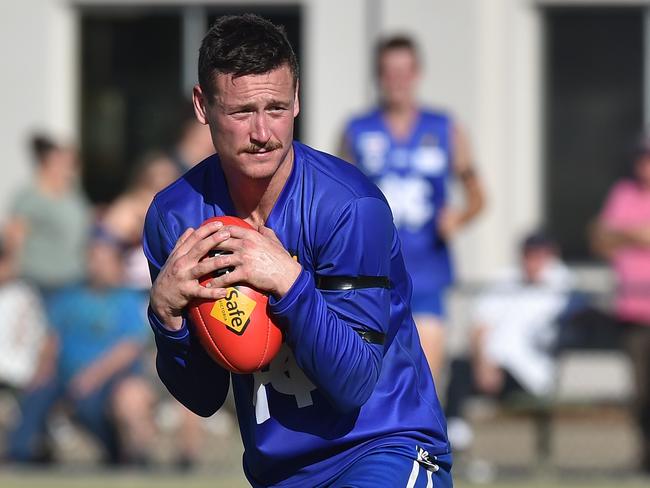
430, 303
396, 470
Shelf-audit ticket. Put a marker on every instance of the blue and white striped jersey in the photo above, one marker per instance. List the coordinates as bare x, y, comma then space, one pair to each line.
413, 174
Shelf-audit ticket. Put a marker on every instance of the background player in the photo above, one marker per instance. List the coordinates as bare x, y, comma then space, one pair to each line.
317, 416
411, 153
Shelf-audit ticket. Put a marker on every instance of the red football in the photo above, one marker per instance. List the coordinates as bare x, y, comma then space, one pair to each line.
236, 331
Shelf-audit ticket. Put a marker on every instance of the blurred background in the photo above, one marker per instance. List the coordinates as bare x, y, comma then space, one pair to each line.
553, 94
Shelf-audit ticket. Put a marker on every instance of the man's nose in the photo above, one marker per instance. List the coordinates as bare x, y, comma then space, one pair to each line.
260, 132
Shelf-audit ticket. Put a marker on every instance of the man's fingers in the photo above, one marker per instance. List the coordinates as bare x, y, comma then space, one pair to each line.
268, 232
205, 293
201, 248
210, 265
198, 235
182, 238
230, 244
241, 232
237, 238
229, 279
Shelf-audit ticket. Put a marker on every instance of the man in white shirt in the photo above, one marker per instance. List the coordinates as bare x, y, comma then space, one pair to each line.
513, 332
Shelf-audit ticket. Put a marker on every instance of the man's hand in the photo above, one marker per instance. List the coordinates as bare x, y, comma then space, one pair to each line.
259, 260
42, 376
105, 367
449, 223
46, 366
86, 382
489, 378
177, 283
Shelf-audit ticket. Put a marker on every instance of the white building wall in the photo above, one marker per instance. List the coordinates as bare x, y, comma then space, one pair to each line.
38, 83
334, 68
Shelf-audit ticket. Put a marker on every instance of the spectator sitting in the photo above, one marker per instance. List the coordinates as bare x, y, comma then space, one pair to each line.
513, 334
92, 362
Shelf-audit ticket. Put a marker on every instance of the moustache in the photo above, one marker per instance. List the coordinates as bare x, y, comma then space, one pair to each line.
255, 148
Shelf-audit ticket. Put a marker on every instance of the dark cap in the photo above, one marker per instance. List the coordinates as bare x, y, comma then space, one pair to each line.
537, 240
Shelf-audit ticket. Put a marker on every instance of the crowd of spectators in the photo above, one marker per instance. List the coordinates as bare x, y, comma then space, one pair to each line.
74, 288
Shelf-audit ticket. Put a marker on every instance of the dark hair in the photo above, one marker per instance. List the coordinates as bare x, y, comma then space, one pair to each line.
395, 42
137, 175
41, 146
538, 240
243, 45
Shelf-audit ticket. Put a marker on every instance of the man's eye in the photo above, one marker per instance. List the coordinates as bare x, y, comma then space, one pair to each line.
243, 111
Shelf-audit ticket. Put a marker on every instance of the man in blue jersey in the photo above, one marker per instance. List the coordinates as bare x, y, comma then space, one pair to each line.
410, 153
348, 401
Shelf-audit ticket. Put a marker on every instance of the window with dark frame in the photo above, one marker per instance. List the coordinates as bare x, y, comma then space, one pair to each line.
593, 107
131, 69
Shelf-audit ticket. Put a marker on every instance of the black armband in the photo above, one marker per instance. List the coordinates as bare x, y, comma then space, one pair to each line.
343, 283
371, 337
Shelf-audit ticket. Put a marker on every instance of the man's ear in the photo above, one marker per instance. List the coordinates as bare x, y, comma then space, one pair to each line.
199, 102
296, 101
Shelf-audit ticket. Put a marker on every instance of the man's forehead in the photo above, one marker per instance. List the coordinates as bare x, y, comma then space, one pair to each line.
279, 79
398, 56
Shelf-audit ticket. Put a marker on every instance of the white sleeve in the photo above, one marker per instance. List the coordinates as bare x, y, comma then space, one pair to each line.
22, 333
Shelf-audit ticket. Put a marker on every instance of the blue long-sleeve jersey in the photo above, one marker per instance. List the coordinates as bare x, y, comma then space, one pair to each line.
413, 173
329, 397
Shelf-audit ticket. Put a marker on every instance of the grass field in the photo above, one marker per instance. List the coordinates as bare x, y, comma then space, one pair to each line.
56, 479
